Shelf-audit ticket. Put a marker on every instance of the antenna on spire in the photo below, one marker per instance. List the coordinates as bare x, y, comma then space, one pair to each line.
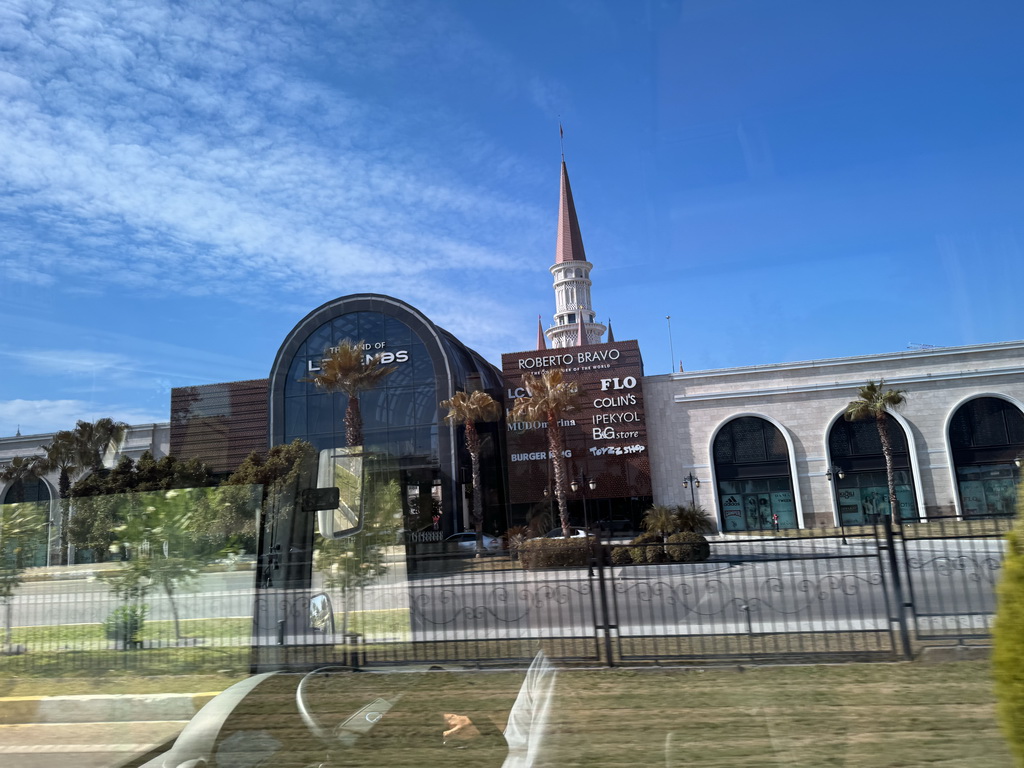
561, 139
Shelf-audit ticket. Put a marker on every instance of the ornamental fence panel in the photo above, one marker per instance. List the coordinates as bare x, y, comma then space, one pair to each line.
870, 593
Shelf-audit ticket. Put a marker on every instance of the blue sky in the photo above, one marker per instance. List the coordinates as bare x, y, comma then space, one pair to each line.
181, 182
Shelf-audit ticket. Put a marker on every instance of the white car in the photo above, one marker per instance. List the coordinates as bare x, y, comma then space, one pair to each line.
574, 533
466, 542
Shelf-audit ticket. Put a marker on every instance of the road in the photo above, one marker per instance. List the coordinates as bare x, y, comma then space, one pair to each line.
759, 586
83, 745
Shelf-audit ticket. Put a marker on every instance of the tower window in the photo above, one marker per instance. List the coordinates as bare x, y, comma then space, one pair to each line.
571, 319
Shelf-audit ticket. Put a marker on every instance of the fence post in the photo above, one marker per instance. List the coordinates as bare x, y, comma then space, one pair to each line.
897, 588
597, 552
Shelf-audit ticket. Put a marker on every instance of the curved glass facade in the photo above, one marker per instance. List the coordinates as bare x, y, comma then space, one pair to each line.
402, 417
755, 491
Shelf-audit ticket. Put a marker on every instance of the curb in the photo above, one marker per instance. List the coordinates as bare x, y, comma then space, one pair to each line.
104, 708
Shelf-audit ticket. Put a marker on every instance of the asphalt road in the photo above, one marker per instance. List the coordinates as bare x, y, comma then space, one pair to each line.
760, 586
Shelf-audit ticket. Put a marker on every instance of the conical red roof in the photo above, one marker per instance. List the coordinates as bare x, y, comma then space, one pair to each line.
569, 246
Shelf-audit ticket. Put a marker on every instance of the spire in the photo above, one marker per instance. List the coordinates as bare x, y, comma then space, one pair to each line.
581, 332
540, 335
611, 336
569, 246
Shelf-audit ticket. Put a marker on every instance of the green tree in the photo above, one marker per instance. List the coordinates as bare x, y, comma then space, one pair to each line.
1008, 641
105, 498
875, 402
347, 368
550, 397
159, 539
94, 438
20, 525
468, 409
277, 471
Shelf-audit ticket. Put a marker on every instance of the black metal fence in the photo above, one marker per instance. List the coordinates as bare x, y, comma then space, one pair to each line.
875, 593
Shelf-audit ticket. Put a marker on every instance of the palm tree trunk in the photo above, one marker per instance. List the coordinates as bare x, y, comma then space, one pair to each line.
558, 465
883, 434
473, 446
353, 422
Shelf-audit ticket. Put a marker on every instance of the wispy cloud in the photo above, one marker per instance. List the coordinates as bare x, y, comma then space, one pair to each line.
193, 147
43, 416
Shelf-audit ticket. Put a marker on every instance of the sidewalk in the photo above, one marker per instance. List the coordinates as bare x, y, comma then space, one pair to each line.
103, 708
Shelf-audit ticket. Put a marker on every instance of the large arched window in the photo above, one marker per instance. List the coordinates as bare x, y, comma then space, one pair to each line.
855, 447
755, 490
985, 436
33, 490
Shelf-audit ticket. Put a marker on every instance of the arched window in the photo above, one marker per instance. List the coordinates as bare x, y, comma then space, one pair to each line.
34, 490
755, 489
862, 494
986, 434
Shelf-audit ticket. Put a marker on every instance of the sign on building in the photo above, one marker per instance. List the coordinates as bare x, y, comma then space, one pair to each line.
605, 437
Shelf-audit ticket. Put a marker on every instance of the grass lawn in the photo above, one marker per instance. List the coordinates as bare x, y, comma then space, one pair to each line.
870, 715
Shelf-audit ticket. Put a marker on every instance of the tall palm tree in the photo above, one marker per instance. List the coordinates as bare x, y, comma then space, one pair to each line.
346, 368
95, 438
875, 402
468, 409
61, 456
20, 471
549, 397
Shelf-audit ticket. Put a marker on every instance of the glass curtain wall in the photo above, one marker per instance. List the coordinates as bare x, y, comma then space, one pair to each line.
755, 489
862, 494
986, 435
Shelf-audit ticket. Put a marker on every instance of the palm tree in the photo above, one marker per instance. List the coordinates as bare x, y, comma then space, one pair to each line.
19, 471
345, 368
874, 402
660, 520
19, 524
95, 438
549, 397
61, 456
468, 409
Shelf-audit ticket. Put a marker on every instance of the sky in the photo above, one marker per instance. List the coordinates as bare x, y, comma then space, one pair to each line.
182, 182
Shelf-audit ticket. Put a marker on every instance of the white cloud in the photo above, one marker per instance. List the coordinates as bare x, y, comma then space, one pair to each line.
195, 146
32, 417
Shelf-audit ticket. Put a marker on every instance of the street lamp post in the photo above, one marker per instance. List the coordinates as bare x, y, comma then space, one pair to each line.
840, 474
691, 482
581, 484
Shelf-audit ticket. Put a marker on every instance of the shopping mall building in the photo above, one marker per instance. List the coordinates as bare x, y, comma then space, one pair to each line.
754, 446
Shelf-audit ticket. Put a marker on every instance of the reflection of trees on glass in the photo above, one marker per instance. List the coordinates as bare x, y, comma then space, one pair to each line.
348, 368
21, 525
350, 564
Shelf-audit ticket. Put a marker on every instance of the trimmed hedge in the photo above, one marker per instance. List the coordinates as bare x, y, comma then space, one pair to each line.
687, 547
647, 548
554, 553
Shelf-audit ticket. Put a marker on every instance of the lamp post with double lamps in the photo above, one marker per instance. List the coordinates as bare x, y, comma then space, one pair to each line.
691, 482
840, 474
582, 483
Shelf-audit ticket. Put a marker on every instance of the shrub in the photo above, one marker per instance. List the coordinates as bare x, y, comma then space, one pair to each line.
124, 624
515, 537
660, 520
647, 548
1008, 643
693, 518
687, 547
621, 556
554, 553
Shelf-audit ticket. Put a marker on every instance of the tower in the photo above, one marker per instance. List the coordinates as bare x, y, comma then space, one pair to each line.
571, 272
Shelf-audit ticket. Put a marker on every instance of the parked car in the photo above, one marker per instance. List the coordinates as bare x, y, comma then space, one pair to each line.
466, 542
574, 533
